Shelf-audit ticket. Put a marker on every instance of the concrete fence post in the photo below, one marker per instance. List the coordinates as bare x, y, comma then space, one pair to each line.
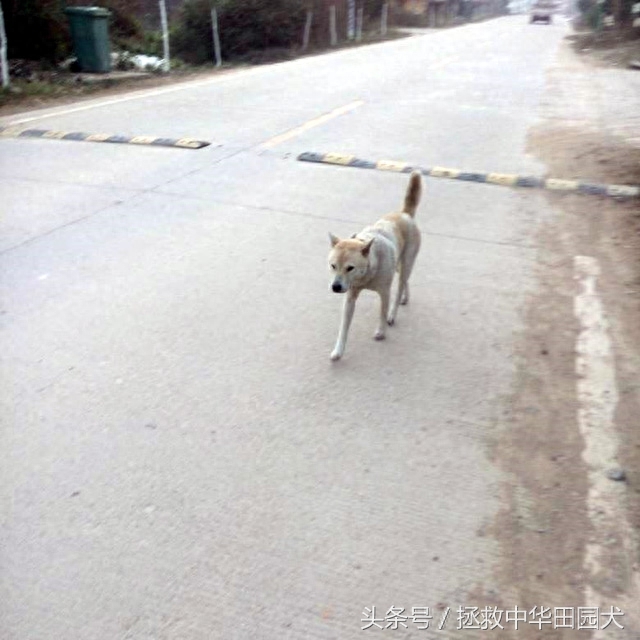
4, 64
165, 35
307, 31
359, 22
332, 25
216, 37
351, 19
383, 19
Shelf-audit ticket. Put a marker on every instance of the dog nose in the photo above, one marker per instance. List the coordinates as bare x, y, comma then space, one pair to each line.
337, 287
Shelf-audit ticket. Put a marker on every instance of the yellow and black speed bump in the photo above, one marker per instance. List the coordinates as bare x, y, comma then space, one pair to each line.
502, 179
179, 143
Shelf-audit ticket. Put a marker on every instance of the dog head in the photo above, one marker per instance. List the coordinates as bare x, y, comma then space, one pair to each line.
348, 261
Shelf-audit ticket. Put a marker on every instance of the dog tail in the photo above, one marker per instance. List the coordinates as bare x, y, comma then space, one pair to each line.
412, 197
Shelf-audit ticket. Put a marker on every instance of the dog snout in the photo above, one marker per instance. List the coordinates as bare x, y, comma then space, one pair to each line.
336, 287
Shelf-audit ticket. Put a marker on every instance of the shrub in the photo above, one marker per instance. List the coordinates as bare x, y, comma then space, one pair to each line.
36, 29
245, 26
39, 29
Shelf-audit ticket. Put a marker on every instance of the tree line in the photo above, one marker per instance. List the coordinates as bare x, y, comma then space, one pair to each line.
39, 30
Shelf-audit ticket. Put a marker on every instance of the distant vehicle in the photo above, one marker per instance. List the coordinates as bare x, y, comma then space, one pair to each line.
542, 11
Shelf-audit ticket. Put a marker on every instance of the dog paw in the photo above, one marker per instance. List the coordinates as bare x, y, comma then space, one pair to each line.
391, 321
404, 300
379, 335
335, 355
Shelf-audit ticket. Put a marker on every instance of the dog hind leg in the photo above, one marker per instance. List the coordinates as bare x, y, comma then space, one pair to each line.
406, 267
404, 299
400, 293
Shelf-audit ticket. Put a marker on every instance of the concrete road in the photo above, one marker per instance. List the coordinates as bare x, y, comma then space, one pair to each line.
180, 457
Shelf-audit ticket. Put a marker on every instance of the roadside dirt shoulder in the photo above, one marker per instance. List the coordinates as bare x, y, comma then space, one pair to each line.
588, 131
70, 93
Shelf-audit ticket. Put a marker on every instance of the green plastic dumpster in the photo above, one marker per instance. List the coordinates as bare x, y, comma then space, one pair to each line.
90, 35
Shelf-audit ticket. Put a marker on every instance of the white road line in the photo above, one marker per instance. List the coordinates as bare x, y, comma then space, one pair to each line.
136, 95
310, 124
239, 74
442, 63
597, 401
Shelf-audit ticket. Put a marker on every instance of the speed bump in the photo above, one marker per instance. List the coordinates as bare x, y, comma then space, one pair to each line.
503, 179
444, 172
500, 179
79, 136
390, 165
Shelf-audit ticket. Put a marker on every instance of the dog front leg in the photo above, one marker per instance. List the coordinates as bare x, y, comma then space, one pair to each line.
347, 315
385, 294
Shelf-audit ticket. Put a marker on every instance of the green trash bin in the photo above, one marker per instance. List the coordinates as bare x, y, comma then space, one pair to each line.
90, 35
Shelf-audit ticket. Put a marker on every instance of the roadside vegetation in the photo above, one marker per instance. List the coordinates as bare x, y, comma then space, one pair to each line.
597, 15
609, 32
40, 49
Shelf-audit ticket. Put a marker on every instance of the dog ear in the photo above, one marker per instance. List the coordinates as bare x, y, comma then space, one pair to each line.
334, 239
367, 247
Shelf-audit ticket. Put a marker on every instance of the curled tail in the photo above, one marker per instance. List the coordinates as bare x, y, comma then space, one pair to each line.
412, 197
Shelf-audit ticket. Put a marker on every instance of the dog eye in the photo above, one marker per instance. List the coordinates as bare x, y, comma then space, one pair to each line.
333, 266
350, 267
